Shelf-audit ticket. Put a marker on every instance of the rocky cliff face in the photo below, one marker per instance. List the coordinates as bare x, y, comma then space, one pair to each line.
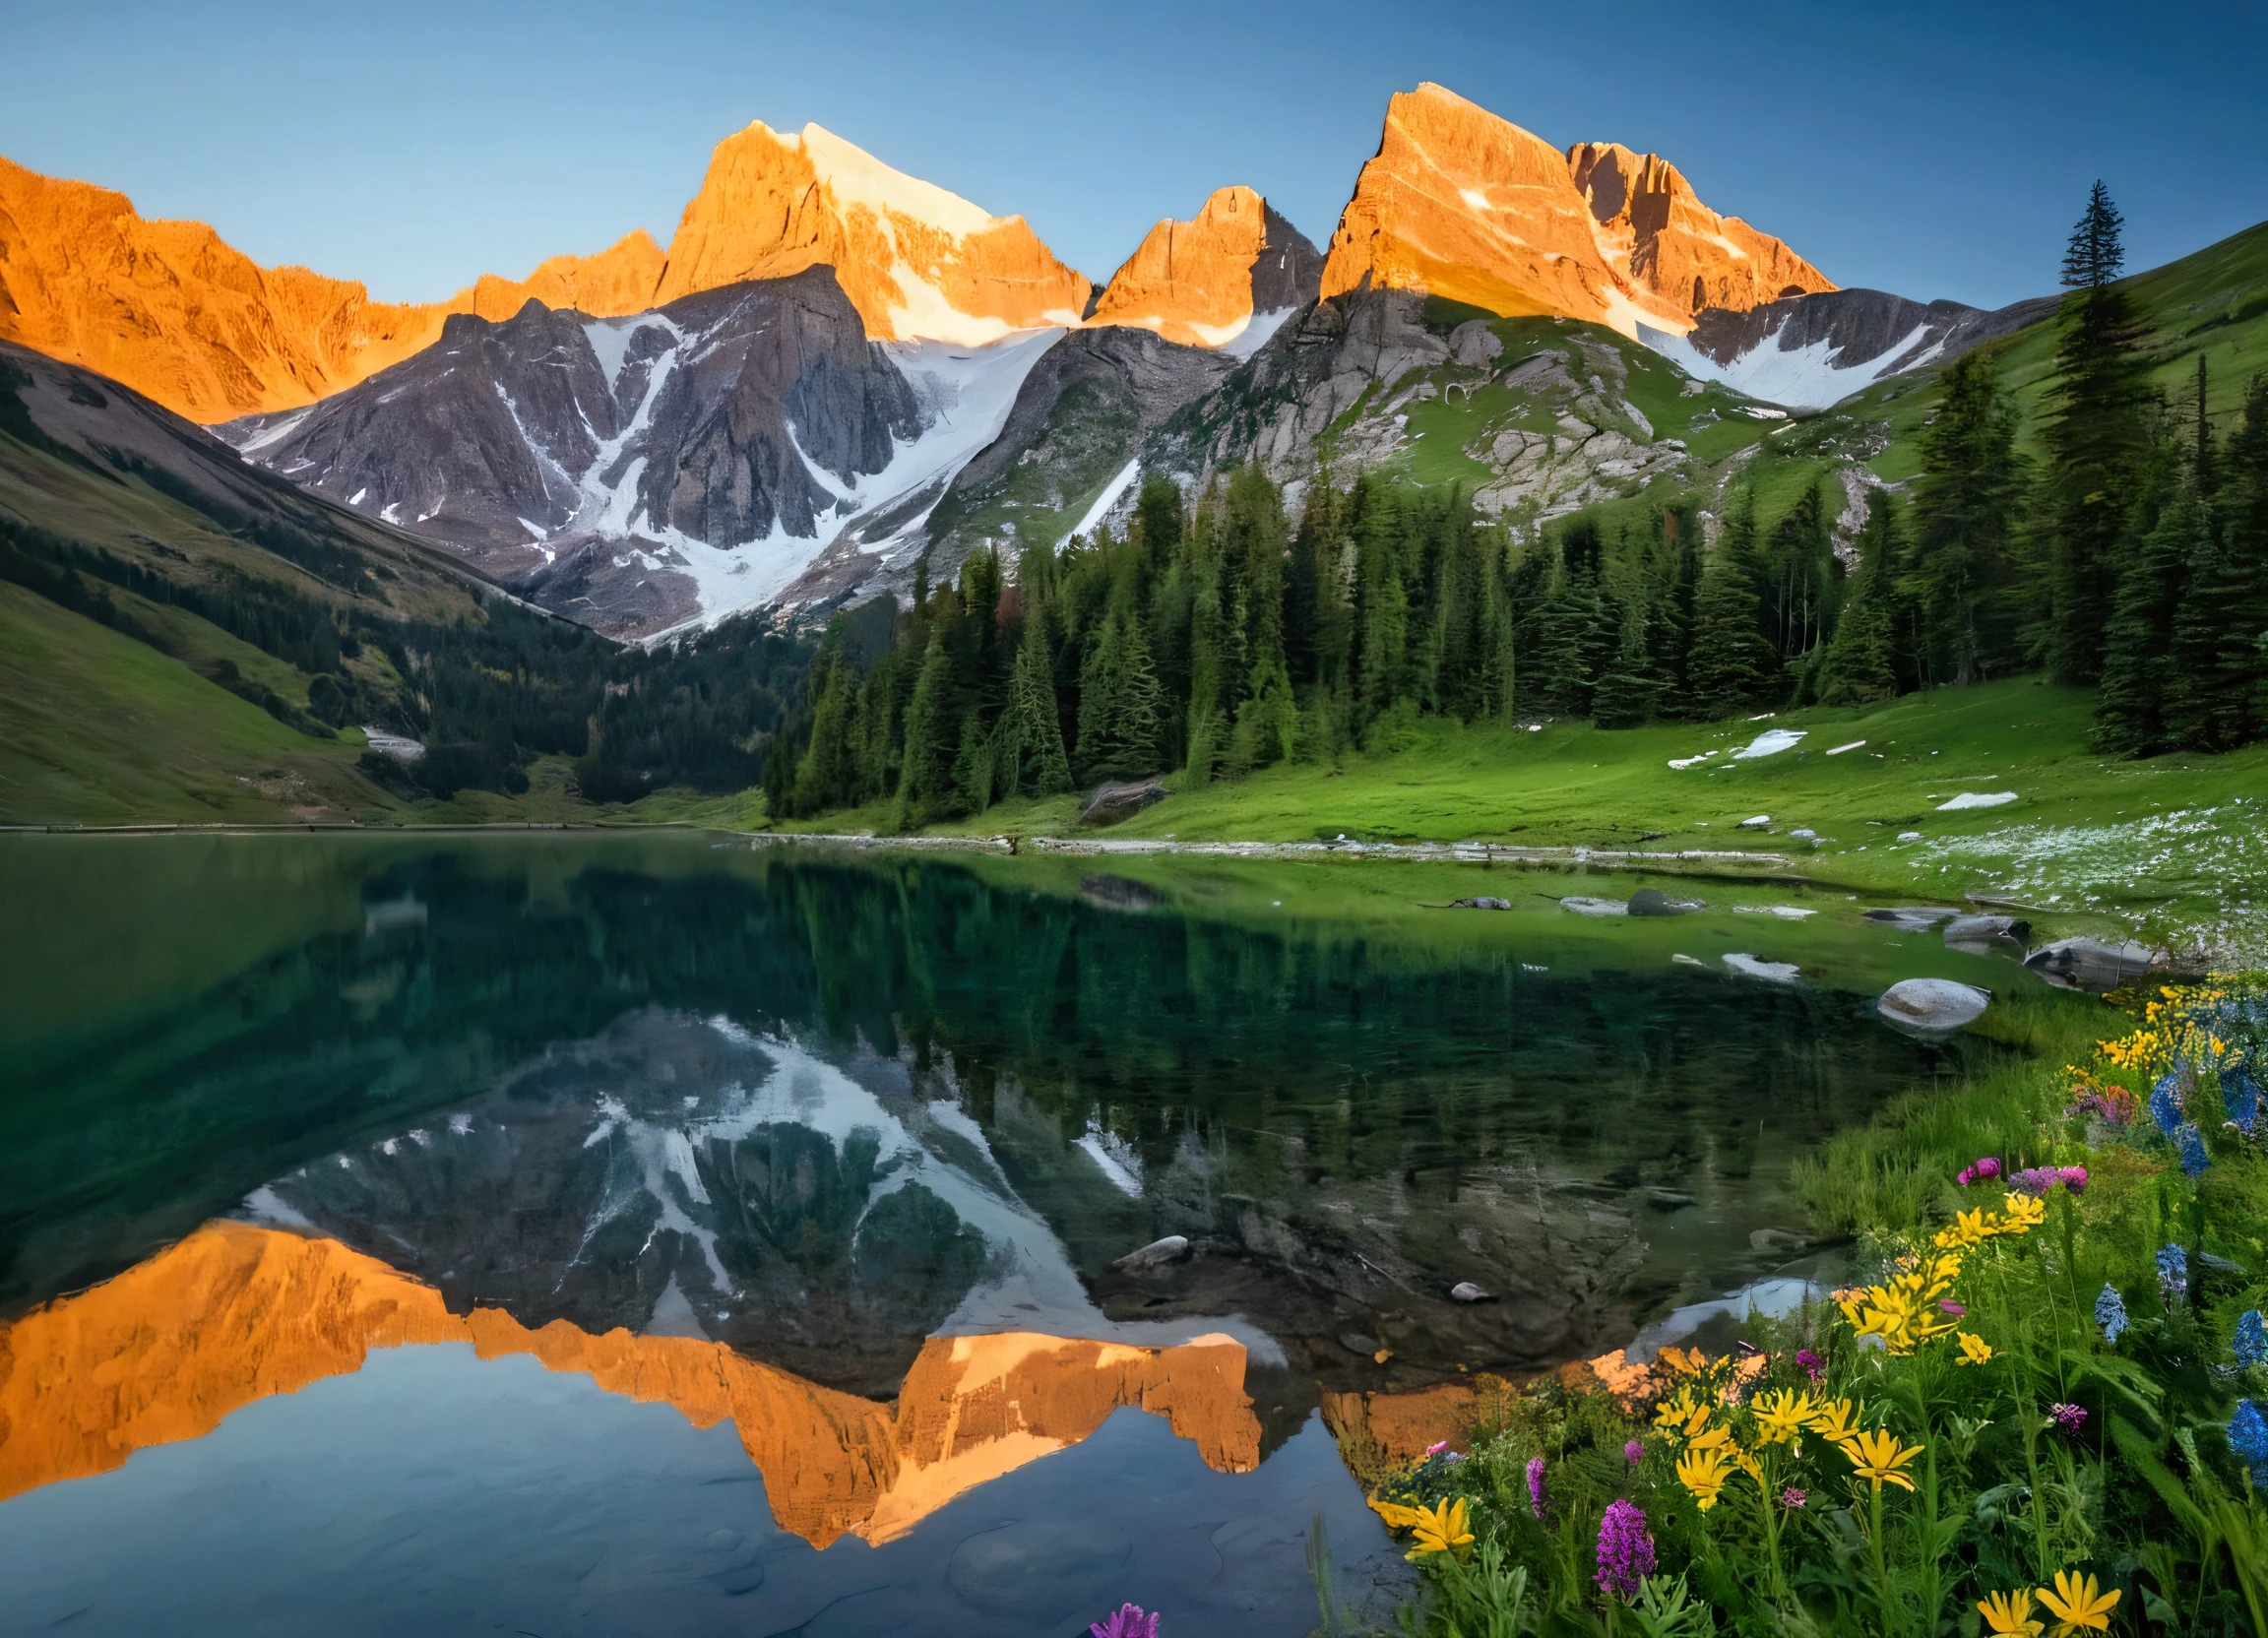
236, 1313
633, 474
1461, 204
915, 260
1659, 235
1220, 279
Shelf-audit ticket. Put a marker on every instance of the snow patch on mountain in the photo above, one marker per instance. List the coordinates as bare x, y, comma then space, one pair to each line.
1801, 377
1112, 492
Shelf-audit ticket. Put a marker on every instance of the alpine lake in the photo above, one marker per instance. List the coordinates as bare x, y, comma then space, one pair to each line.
660, 1234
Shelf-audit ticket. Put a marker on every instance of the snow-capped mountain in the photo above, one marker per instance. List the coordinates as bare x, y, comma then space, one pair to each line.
639, 474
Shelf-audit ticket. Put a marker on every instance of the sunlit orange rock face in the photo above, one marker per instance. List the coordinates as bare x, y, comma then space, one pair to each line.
1660, 235
1192, 281
914, 259
235, 1313
174, 312
1461, 204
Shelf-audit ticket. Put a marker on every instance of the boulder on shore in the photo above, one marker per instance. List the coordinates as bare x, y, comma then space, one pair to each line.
1480, 904
1932, 1005
1113, 800
2088, 964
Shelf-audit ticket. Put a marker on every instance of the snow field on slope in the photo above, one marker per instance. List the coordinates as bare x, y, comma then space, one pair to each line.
1801, 378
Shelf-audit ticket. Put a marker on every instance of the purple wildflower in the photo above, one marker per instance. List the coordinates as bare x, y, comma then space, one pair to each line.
1634, 1451
1793, 1498
1814, 1366
2067, 1418
2038, 1181
1434, 1450
1977, 1172
1129, 1622
2113, 1105
1946, 1305
1536, 1485
1625, 1550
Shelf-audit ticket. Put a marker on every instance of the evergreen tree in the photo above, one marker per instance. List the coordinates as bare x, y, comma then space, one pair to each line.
2097, 439
925, 788
1028, 745
1732, 666
2138, 643
1861, 662
2214, 690
1965, 510
1119, 705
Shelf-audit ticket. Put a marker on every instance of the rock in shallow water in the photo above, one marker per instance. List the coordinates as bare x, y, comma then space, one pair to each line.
1652, 901
1467, 1291
1585, 906
1772, 971
1156, 1252
2086, 964
1480, 904
1983, 929
1913, 917
1932, 1004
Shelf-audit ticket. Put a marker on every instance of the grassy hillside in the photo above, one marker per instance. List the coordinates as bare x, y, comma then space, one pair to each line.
2212, 304
103, 729
2173, 847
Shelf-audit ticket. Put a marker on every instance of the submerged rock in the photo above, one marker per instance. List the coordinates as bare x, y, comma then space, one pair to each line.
1984, 930
1652, 901
1113, 801
1932, 1004
2088, 964
1772, 971
1913, 917
1166, 1250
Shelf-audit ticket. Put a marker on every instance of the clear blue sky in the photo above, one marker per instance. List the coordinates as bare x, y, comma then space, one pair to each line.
1932, 150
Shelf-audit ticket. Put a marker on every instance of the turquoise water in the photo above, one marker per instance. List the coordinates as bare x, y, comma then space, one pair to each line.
834, 1131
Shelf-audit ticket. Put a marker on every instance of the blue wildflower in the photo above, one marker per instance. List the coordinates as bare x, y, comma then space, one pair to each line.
2248, 1438
2251, 1341
2189, 1144
2165, 1101
2173, 1274
2110, 1313
2241, 1097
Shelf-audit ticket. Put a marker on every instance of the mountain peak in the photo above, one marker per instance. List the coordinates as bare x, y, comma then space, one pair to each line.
1217, 279
1463, 204
915, 260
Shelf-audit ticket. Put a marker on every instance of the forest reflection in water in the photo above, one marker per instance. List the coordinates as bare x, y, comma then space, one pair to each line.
782, 1138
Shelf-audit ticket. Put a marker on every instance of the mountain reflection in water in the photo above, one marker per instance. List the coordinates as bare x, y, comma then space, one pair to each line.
235, 1313
845, 1152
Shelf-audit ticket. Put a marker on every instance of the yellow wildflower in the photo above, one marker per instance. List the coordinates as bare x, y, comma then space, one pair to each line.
2023, 1214
1974, 1350
1715, 1438
1878, 1457
1683, 1415
1836, 1420
1703, 1473
1396, 1515
1444, 1530
1969, 1228
1782, 1416
2077, 1605
2009, 1614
